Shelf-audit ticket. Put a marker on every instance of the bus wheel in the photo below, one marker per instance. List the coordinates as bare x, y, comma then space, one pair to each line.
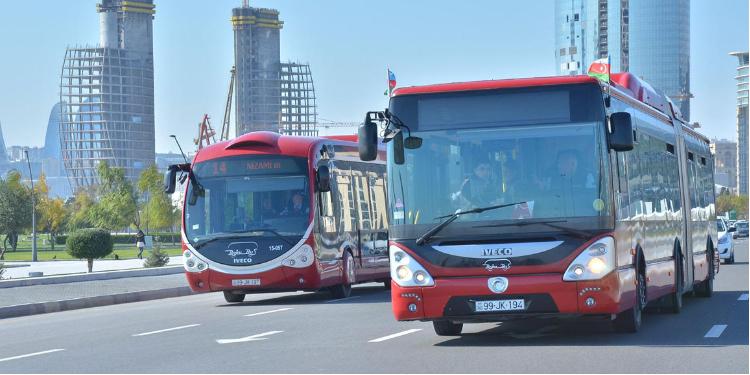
447, 328
706, 287
675, 299
630, 320
233, 297
344, 289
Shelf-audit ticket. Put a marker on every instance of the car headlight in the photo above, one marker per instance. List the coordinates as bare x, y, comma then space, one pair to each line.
301, 258
723, 240
593, 263
406, 271
192, 263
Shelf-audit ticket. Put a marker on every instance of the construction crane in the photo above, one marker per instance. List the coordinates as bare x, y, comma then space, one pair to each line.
206, 133
228, 108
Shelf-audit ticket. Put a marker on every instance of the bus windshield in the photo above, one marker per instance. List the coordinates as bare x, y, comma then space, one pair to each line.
248, 196
556, 164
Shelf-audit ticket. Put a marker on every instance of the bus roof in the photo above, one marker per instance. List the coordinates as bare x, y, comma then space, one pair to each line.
266, 142
627, 83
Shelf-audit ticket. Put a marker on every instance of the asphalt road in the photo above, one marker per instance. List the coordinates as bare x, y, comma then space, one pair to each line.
309, 332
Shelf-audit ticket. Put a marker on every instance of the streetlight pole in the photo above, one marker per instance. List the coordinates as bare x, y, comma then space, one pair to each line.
33, 210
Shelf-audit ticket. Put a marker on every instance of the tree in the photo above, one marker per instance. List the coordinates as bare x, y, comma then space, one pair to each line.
2, 270
15, 210
77, 209
89, 244
727, 202
116, 207
53, 218
157, 257
158, 211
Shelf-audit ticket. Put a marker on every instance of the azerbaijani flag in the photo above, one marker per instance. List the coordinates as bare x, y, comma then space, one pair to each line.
599, 69
391, 82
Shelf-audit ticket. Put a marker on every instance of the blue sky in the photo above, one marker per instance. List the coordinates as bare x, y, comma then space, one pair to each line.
348, 45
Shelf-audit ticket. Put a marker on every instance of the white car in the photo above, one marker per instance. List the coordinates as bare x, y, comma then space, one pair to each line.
726, 244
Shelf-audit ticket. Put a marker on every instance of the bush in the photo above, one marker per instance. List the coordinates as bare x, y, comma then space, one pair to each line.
89, 244
157, 258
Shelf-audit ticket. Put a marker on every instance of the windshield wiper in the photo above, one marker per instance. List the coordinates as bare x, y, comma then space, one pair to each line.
434, 230
272, 231
549, 223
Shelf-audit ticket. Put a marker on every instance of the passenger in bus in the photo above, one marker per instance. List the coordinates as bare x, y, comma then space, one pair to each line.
478, 190
571, 187
297, 206
267, 210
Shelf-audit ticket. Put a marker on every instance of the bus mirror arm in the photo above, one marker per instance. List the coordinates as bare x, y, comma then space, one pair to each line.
620, 132
170, 176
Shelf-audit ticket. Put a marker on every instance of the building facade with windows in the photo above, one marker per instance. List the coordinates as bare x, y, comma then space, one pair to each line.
650, 39
725, 163
742, 131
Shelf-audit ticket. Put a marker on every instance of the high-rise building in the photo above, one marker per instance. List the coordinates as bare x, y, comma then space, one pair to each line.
742, 131
587, 30
650, 39
725, 163
270, 95
660, 47
107, 95
257, 62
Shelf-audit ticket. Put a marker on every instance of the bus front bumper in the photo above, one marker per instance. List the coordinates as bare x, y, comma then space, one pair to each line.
543, 295
275, 280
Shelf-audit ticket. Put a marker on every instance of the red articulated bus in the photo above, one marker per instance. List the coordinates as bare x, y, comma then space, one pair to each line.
543, 197
266, 212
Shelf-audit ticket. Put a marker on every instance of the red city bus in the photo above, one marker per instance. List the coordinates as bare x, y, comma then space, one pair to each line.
266, 212
543, 197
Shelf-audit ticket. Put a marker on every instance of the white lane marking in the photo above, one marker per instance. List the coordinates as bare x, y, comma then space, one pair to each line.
257, 337
269, 312
166, 330
393, 336
743, 297
30, 355
343, 299
716, 331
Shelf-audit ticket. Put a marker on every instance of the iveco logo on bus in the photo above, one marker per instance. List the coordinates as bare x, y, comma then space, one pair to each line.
497, 251
500, 264
242, 252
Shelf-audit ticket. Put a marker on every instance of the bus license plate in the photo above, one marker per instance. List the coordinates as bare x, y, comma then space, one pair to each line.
246, 282
499, 305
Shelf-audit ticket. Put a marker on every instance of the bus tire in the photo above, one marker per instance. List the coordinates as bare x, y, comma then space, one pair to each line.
233, 297
675, 299
706, 287
387, 284
447, 328
629, 321
344, 289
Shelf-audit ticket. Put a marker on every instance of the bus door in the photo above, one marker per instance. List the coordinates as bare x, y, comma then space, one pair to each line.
686, 241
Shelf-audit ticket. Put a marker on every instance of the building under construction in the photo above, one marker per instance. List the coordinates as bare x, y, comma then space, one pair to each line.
107, 95
270, 95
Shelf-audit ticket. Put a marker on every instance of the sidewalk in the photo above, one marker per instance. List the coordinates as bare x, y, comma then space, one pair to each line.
38, 299
16, 270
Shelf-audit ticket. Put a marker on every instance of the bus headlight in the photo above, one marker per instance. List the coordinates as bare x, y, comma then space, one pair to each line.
593, 263
406, 271
193, 263
301, 258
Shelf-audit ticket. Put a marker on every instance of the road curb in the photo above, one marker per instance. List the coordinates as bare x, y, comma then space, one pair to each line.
102, 275
87, 302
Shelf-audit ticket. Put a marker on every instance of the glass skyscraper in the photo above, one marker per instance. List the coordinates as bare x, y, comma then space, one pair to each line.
742, 131
650, 39
660, 47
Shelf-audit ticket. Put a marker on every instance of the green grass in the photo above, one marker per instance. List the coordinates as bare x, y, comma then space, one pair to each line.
126, 252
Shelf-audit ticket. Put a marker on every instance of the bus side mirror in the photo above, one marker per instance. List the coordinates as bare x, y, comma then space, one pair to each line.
368, 139
323, 179
621, 131
398, 148
170, 179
